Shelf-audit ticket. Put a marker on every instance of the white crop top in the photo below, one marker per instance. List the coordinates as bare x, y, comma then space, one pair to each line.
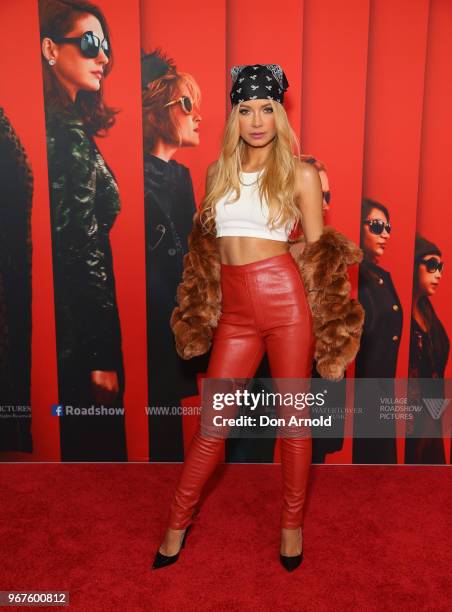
246, 217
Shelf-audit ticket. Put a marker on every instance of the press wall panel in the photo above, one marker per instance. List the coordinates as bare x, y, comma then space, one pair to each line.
397, 56
334, 95
260, 34
435, 192
23, 103
335, 47
267, 36
193, 36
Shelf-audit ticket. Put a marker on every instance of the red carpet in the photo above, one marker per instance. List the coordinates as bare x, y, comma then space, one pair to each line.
375, 538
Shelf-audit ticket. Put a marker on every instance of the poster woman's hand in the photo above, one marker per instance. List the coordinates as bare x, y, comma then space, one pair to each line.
105, 386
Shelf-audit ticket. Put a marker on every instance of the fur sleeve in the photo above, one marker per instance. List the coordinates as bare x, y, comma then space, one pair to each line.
198, 295
337, 319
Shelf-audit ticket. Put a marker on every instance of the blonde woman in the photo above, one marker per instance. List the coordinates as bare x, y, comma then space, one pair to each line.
242, 289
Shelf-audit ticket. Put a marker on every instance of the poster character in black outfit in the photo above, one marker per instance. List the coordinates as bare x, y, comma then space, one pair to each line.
170, 102
84, 200
16, 192
429, 352
377, 356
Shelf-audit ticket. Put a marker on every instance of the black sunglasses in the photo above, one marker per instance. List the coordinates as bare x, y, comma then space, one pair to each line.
90, 44
376, 226
433, 264
184, 101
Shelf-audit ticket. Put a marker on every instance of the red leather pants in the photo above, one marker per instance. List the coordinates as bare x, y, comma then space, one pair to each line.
264, 308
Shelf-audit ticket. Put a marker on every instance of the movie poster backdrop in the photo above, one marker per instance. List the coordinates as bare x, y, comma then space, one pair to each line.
94, 223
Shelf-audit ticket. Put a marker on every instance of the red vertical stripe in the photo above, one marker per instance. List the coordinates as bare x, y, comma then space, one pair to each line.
23, 101
269, 34
397, 54
123, 152
334, 95
333, 116
266, 33
435, 191
193, 35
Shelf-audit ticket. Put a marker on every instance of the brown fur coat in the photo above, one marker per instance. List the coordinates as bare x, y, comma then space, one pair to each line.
337, 318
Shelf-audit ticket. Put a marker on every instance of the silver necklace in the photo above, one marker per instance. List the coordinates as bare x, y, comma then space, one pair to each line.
249, 184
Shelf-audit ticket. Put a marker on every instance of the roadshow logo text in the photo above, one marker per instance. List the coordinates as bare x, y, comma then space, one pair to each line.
60, 410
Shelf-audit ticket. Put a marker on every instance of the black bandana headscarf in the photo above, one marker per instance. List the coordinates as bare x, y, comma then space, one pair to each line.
258, 81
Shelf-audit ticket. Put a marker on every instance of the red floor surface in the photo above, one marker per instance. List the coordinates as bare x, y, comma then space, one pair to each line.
375, 538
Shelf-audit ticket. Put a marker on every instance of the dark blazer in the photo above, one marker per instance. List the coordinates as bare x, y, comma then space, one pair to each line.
169, 209
429, 350
380, 341
376, 358
429, 353
84, 203
16, 192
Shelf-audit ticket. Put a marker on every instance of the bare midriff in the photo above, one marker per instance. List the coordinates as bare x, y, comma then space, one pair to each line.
238, 250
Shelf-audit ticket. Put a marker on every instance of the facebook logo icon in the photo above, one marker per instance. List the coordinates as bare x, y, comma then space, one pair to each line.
57, 410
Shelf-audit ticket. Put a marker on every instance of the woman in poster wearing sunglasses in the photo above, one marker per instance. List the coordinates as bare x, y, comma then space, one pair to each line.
171, 120
377, 356
429, 353
84, 200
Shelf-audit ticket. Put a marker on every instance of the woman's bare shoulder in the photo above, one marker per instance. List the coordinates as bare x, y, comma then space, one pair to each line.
308, 187
305, 170
307, 177
211, 172
212, 167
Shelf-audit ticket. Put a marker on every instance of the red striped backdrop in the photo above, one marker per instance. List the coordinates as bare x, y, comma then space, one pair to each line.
370, 95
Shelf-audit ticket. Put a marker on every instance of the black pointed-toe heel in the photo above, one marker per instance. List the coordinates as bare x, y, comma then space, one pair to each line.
163, 560
291, 563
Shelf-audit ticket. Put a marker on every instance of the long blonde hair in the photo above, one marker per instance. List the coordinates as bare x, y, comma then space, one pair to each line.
276, 182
